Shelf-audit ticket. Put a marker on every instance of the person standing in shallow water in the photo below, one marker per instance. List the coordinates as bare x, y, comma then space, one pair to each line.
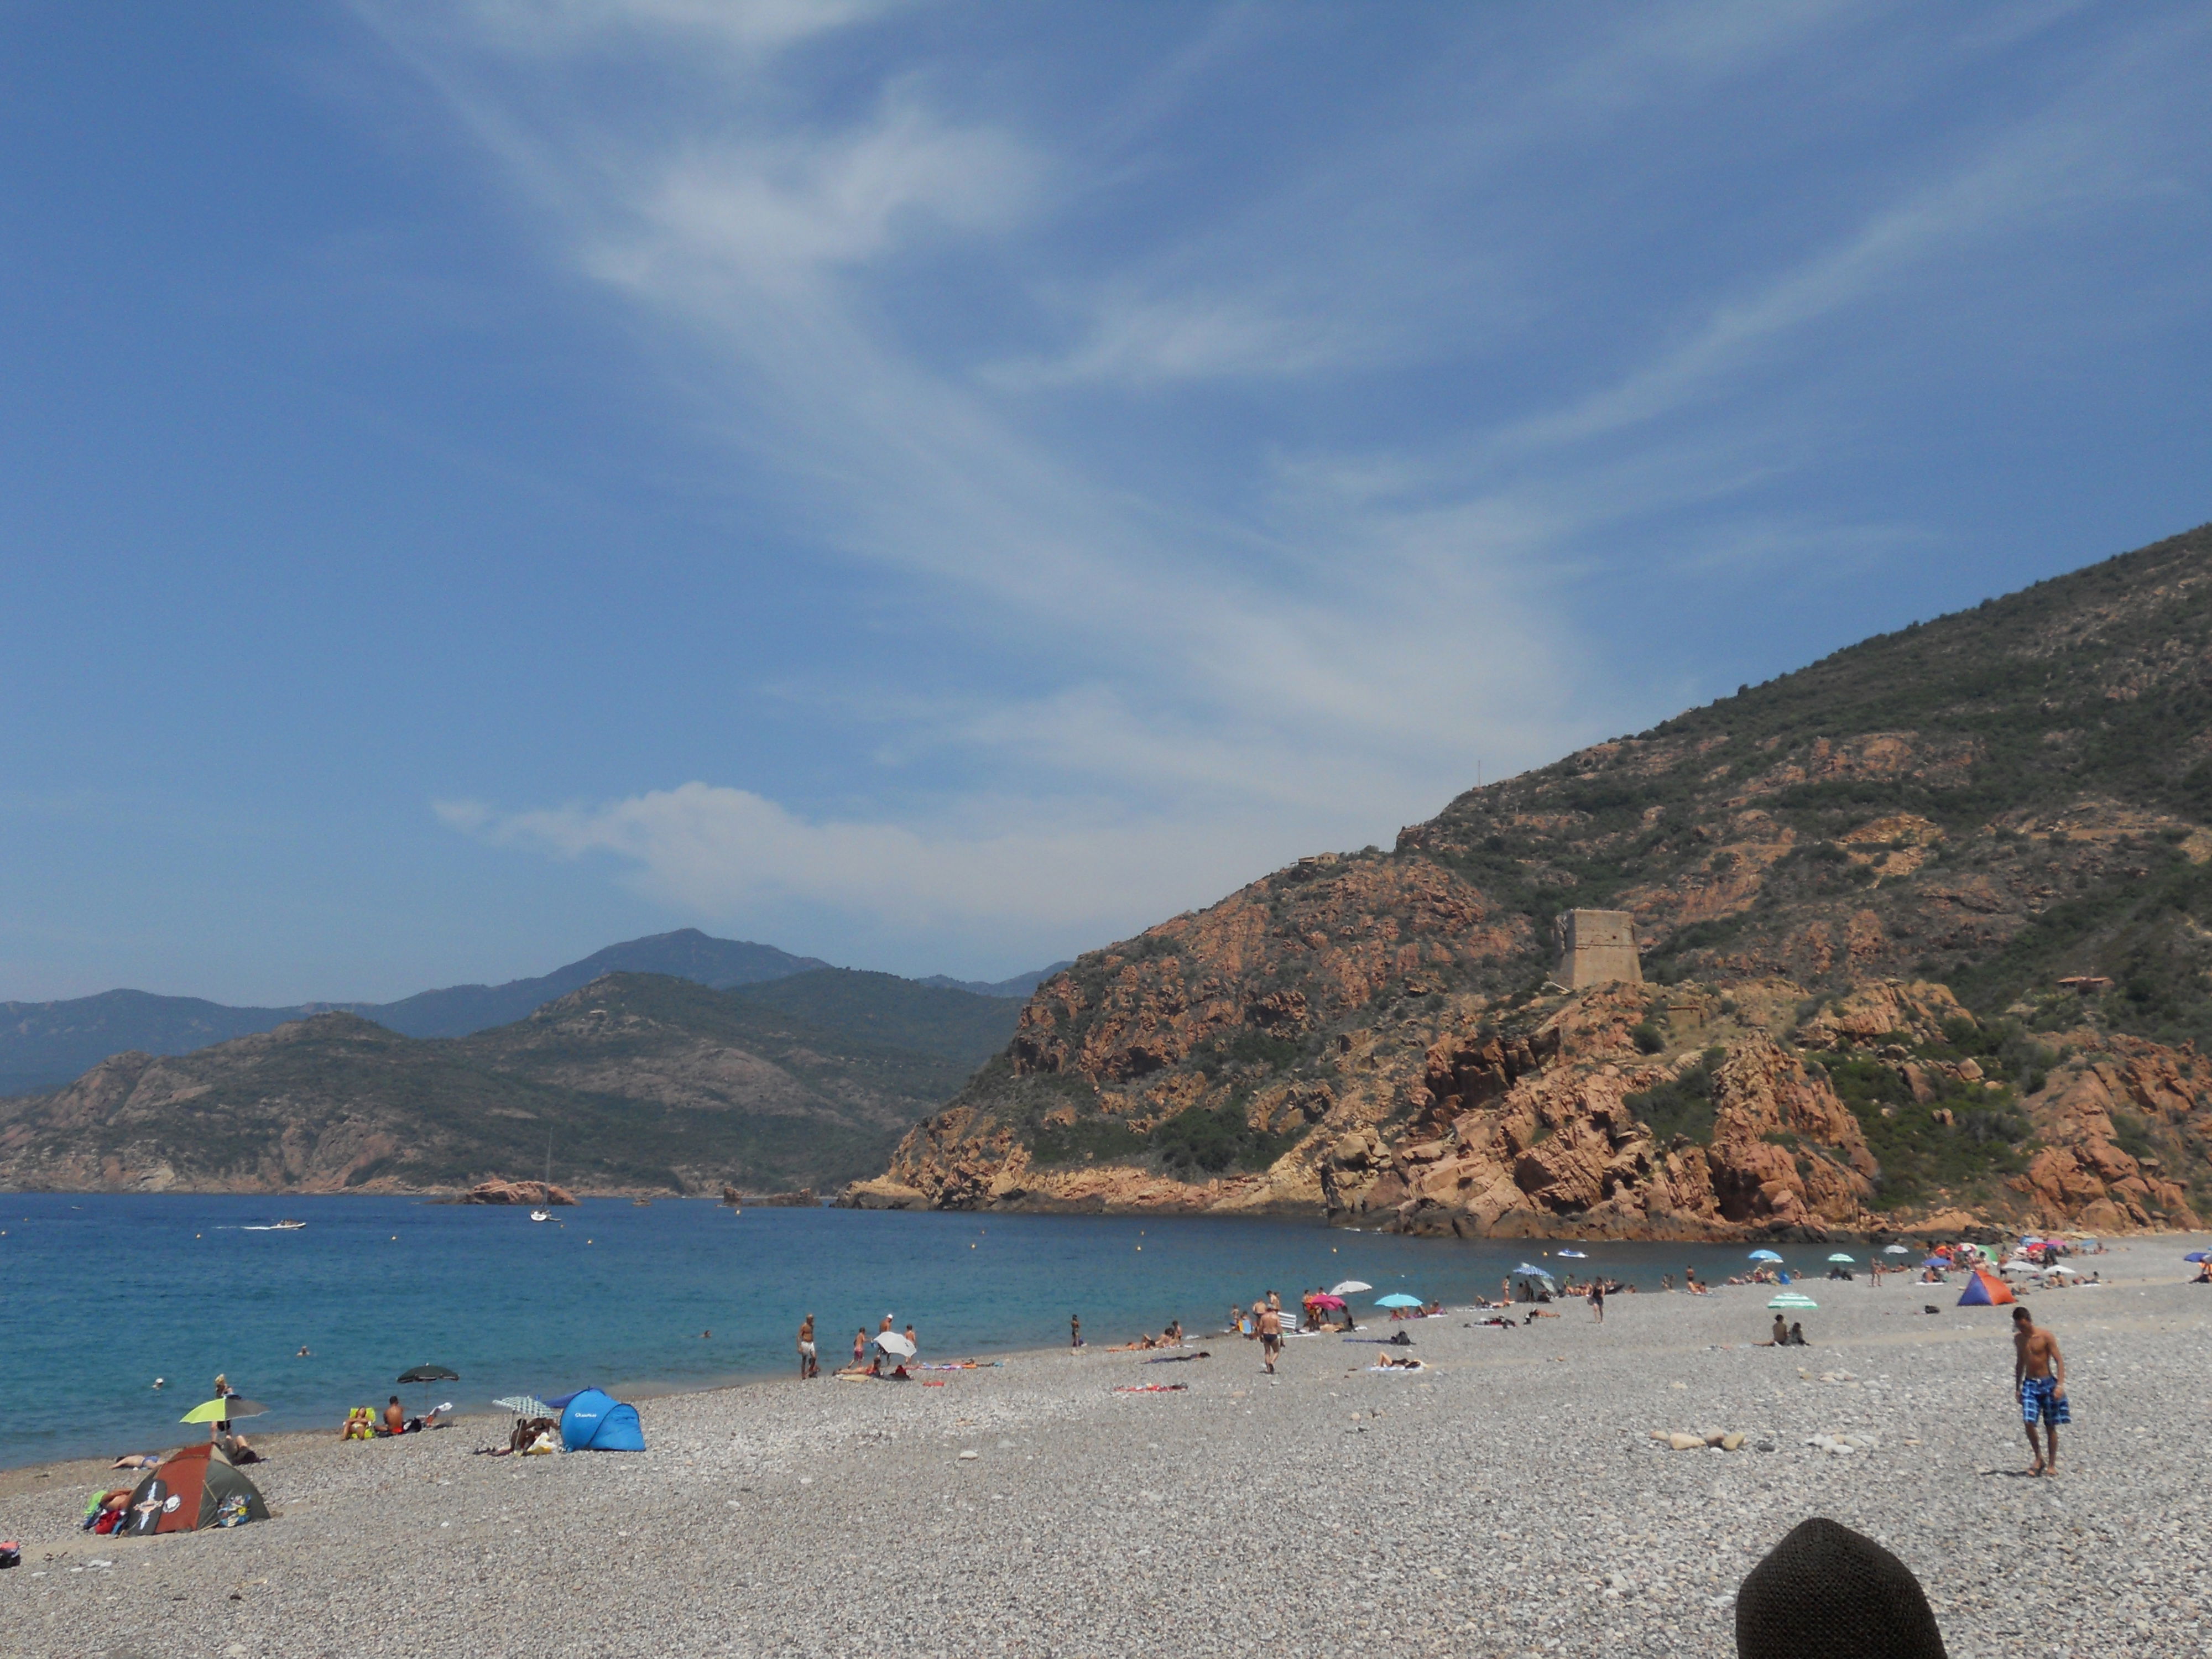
2038, 1381
1075, 1330
806, 1366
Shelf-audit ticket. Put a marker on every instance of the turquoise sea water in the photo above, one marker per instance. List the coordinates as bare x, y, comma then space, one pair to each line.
100, 1294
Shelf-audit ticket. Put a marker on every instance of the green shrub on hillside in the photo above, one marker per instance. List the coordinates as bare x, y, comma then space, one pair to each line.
1086, 1141
1203, 1139
1683, 1106
1919, 1154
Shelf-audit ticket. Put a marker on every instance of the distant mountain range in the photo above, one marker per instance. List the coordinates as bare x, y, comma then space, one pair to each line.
43, 1045
630, 1083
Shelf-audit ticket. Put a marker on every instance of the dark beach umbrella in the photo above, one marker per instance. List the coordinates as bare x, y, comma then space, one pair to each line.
426, 1374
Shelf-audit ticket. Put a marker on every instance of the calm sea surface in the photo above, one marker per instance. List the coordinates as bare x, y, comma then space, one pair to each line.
99, 1295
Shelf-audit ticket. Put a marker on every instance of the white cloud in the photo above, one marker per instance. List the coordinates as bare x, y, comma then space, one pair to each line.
533, 27
1149, 342
730, 853
774, 211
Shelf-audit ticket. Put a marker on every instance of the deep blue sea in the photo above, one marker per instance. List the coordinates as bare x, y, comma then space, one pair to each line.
101, 1294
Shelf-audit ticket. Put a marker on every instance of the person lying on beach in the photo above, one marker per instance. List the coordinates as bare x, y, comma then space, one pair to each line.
137, 1461
1384, 1362
1501, 1324
1178, 1358
1535, 1314
105, 1513
1172, 1337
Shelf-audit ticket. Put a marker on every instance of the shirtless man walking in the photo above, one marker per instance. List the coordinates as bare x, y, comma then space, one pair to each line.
2039, 1378
807, 1367
1271, 1336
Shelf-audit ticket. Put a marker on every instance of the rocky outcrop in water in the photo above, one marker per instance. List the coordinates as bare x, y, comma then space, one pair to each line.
532, 1193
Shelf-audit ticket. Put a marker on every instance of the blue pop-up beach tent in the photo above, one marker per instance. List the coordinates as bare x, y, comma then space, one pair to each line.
593, 1420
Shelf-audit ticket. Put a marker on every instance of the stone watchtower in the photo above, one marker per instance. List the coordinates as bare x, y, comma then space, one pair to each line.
1596, 947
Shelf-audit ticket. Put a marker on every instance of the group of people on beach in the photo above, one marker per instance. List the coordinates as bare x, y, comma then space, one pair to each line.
866, 1363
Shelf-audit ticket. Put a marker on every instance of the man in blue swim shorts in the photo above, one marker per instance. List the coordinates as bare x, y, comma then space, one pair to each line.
2038, 1379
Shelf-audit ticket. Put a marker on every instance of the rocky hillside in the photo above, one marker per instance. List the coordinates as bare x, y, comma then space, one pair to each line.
1857, 888
641, 1083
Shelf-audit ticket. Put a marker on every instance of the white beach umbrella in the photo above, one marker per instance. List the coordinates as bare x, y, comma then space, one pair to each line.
2017, 1266
1349, 1286
892, 1342
2071, 1273
1896, 1249
1840, 1256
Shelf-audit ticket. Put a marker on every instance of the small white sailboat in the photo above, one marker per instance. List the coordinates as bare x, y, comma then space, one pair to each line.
539, 1215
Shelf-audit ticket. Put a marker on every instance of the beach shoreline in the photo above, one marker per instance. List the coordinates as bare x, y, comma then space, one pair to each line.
641, 1388
1506, 1498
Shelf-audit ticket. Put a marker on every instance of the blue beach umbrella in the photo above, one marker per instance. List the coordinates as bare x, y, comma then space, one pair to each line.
2195, 1255
1397, 1299
1764, 1255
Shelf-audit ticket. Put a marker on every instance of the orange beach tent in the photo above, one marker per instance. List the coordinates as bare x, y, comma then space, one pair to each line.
194, 1489
1984, 1290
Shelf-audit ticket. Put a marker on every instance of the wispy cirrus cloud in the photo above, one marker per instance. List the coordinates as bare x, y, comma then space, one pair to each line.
1425, 411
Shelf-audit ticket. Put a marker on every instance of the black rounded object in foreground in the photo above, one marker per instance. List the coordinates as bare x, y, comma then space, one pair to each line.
1826, 1592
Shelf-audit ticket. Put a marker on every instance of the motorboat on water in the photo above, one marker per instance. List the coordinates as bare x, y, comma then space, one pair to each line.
539, 1215
288, 1226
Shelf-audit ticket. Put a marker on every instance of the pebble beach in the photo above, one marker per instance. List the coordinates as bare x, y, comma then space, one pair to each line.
1509, 1498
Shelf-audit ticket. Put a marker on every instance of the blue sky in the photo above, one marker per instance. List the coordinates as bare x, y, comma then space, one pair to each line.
939, 487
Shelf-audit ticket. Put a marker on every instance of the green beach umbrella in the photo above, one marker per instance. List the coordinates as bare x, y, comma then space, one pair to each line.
1792, 1299
1840, 1256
